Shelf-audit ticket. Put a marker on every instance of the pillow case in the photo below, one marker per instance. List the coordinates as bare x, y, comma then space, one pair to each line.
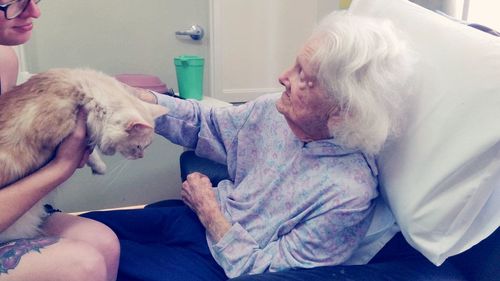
441, 178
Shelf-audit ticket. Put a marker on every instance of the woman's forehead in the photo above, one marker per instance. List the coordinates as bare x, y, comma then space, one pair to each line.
304, 58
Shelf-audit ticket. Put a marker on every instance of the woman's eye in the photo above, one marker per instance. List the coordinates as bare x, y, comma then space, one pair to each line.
302, 76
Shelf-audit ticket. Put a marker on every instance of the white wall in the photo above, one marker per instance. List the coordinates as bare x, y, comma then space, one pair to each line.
485, 13
255, 41
153, 178
116, 36
119, 36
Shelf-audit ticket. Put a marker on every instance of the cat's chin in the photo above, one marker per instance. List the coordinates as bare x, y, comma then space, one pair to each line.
132, 157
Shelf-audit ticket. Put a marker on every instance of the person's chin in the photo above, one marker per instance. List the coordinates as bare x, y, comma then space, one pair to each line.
20, 39
280, 106
283, 102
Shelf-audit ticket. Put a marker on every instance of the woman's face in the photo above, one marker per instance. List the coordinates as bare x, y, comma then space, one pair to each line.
18, 30
305, 103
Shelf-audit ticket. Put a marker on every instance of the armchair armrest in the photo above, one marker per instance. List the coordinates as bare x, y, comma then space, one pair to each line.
190, 163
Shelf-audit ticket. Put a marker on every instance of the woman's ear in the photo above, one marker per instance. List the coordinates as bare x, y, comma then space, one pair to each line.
335, 117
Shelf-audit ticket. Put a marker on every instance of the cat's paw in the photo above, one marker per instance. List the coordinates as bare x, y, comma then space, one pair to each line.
98, 168
96, 164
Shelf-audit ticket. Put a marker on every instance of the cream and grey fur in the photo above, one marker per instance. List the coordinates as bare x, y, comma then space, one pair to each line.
38, 114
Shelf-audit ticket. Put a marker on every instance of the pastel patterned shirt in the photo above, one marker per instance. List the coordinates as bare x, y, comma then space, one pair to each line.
291, 204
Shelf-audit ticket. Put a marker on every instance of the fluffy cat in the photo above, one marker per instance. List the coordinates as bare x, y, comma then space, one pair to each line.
38, 114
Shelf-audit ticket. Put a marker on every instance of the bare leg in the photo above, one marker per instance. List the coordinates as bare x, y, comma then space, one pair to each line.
62, 260
90, 232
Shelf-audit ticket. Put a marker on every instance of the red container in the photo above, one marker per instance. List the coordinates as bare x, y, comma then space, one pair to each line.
149, 82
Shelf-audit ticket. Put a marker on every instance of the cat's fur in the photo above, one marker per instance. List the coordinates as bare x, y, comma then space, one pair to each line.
38, 114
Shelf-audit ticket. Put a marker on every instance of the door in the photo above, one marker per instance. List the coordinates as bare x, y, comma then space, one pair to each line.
254, 41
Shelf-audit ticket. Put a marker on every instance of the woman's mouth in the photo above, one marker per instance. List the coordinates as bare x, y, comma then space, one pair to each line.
24, 28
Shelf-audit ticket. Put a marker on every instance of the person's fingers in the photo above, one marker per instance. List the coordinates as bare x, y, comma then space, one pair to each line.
81, 123
85, 158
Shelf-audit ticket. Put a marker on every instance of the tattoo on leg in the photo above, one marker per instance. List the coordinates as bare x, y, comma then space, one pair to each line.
11, 252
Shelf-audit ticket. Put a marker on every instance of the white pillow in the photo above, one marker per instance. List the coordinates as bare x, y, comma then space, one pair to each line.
442, 177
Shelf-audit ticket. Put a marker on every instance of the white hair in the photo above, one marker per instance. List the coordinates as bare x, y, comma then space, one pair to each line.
364, 66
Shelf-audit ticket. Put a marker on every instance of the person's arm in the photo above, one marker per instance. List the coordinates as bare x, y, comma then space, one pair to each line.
20, 196
197, 192
207, 130
327, 237
8, 68
322, 240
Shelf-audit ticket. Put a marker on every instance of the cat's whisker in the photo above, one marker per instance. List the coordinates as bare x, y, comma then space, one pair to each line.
116, 173
116, 167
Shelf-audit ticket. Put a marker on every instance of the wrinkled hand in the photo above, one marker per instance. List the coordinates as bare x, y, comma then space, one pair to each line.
73, 152
142, 94
198, 194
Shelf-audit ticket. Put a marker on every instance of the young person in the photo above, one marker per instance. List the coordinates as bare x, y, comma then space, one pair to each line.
72, 247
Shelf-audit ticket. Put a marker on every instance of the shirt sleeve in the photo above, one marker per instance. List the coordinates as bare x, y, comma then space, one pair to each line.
322, 240
207, 130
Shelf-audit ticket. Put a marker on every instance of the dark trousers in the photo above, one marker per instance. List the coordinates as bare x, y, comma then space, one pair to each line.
398, 261
166, 243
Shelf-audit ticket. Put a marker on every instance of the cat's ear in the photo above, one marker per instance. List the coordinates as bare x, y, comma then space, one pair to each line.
156, 110
138, 128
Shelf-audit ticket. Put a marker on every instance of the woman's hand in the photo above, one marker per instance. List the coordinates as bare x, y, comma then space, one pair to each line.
73, 152
198, 194
142, 94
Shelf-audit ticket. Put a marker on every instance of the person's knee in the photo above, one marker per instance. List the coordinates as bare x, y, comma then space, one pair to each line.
107, 243
87, 264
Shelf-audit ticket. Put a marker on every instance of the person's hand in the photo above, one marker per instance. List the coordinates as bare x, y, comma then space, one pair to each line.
142, 94
73, 152
198, 194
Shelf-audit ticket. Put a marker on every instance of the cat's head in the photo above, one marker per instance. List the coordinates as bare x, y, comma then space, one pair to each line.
139, 136
130, 129
130, 138
118, 120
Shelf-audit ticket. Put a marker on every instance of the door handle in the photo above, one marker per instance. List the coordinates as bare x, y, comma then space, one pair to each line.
196, 32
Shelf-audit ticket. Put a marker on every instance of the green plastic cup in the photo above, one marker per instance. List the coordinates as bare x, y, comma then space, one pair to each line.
189, 71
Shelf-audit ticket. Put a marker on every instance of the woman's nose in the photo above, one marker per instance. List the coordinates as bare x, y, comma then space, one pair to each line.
32, 11
283, 78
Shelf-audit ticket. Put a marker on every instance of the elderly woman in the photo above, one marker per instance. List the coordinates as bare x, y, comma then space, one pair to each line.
302, 174
71, 247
